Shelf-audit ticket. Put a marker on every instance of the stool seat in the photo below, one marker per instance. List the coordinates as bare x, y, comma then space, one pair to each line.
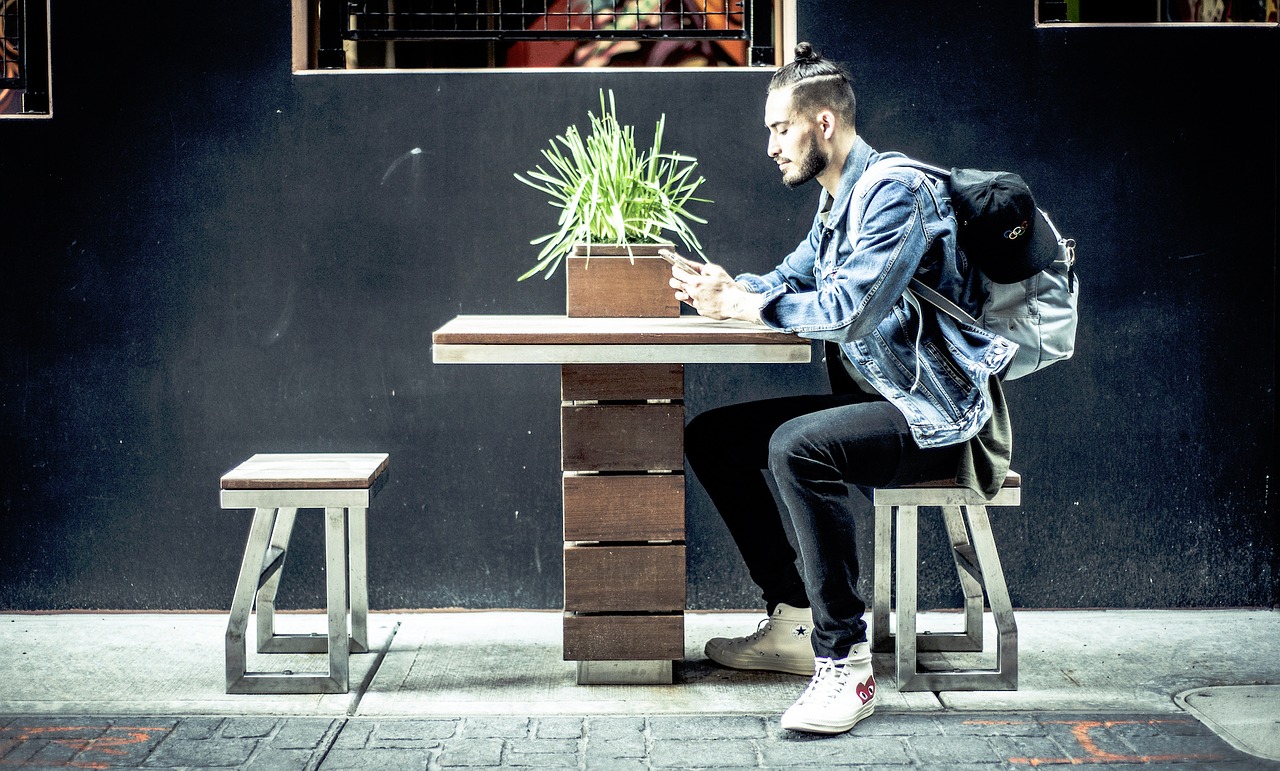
276, 486
973, 549
306, 471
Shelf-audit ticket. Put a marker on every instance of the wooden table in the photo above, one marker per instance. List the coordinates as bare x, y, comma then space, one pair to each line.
622, 459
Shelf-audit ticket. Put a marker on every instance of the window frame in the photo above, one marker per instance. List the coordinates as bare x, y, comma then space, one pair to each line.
306, 38
35, 95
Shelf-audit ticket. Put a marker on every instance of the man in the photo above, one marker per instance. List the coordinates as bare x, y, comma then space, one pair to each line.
914, 393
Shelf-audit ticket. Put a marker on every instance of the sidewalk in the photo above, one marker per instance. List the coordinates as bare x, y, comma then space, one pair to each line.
1104, 689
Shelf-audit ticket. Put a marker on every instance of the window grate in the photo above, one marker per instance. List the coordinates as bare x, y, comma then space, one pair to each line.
12, 72
546, 20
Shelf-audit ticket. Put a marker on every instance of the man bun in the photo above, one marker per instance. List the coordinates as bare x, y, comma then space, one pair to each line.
805, 53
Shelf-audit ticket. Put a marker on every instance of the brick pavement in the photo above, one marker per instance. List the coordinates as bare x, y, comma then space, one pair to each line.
947, 740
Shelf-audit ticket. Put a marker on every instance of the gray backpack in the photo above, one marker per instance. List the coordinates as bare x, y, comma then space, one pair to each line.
1039, 310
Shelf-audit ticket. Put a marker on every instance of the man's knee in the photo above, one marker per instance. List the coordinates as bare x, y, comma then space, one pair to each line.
788, 446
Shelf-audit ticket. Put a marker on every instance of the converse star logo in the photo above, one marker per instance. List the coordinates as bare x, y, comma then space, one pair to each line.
800, 631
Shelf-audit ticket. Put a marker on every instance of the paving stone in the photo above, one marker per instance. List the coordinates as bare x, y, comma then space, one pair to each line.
625, 746
702, 727
701, 753
411, 733
303, 733
945, 750
57, 753
353, 735
559, 728
842, 749
274, 759
608, 727
178, 751
990, 725
496, 727
248, 727
415, 729
125, 744
485, 753
198, 727
548, 753
1026, 750
889, 724
59, 727
616, 764
376, 760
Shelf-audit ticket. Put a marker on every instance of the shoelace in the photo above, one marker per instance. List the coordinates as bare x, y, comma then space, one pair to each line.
828, 683
765, 625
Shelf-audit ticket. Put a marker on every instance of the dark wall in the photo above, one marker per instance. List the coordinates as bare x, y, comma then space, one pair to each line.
204, 256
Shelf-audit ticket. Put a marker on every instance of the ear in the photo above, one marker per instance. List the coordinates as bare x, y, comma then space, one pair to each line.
826, 121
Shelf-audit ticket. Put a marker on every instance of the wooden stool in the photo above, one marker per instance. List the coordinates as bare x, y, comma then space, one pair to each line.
276, 486
978, 565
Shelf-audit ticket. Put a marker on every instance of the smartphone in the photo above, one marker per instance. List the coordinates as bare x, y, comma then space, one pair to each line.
677, 260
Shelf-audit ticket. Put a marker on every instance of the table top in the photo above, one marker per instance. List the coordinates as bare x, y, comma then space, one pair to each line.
529, 339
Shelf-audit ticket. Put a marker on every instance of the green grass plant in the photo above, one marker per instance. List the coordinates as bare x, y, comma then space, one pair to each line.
608, 193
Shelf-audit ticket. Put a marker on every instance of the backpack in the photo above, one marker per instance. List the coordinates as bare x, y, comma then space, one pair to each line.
1034, 302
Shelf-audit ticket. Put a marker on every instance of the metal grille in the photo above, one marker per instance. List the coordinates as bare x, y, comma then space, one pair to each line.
12, 73
545, 19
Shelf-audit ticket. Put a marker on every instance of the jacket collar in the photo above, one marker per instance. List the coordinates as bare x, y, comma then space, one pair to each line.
861, 155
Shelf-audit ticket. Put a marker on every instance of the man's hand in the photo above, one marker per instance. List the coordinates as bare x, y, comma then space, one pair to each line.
713, 293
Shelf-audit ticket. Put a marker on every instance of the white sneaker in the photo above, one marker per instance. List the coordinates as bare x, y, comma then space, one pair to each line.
780, 644
841, 693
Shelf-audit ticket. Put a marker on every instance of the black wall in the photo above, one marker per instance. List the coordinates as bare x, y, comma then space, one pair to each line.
205, 256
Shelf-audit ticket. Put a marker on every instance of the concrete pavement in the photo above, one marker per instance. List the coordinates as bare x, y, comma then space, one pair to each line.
1113, 689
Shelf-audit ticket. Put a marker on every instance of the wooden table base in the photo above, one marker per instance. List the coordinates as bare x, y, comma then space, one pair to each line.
622, 440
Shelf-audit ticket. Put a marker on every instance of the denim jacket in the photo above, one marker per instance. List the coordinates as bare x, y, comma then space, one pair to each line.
847, 284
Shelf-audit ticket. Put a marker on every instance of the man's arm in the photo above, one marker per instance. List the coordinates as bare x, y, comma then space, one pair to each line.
713, 292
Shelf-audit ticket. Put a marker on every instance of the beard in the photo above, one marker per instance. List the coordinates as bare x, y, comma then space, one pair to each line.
810, 165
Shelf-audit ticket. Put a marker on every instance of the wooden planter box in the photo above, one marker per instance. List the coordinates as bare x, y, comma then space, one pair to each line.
619, 281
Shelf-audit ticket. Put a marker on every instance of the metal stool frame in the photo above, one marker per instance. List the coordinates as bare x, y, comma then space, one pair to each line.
346, 579
973, 549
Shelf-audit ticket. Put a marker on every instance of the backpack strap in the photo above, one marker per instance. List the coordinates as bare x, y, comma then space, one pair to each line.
937, 300
918, 287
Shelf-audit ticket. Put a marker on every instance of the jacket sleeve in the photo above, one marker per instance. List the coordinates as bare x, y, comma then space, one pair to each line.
869, 274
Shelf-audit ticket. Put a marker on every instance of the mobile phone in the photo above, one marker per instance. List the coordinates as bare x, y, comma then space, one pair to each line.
677, 260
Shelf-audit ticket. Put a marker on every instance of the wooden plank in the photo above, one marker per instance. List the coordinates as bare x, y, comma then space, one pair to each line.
306, 471
647, 507
622, 437
623, 638
619, 382
621, 578
561, 330
619, 287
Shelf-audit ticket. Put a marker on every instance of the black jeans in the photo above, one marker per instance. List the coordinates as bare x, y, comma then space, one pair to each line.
815, 447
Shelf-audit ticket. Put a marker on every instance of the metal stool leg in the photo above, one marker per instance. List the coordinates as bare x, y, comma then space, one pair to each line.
984, 543
273, 568
962, 554
907, 597
357, 559
335, 551
251, 567
882, 594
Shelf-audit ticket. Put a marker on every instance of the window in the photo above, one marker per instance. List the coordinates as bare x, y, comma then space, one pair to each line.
476, 34
1150, 12
24, 58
